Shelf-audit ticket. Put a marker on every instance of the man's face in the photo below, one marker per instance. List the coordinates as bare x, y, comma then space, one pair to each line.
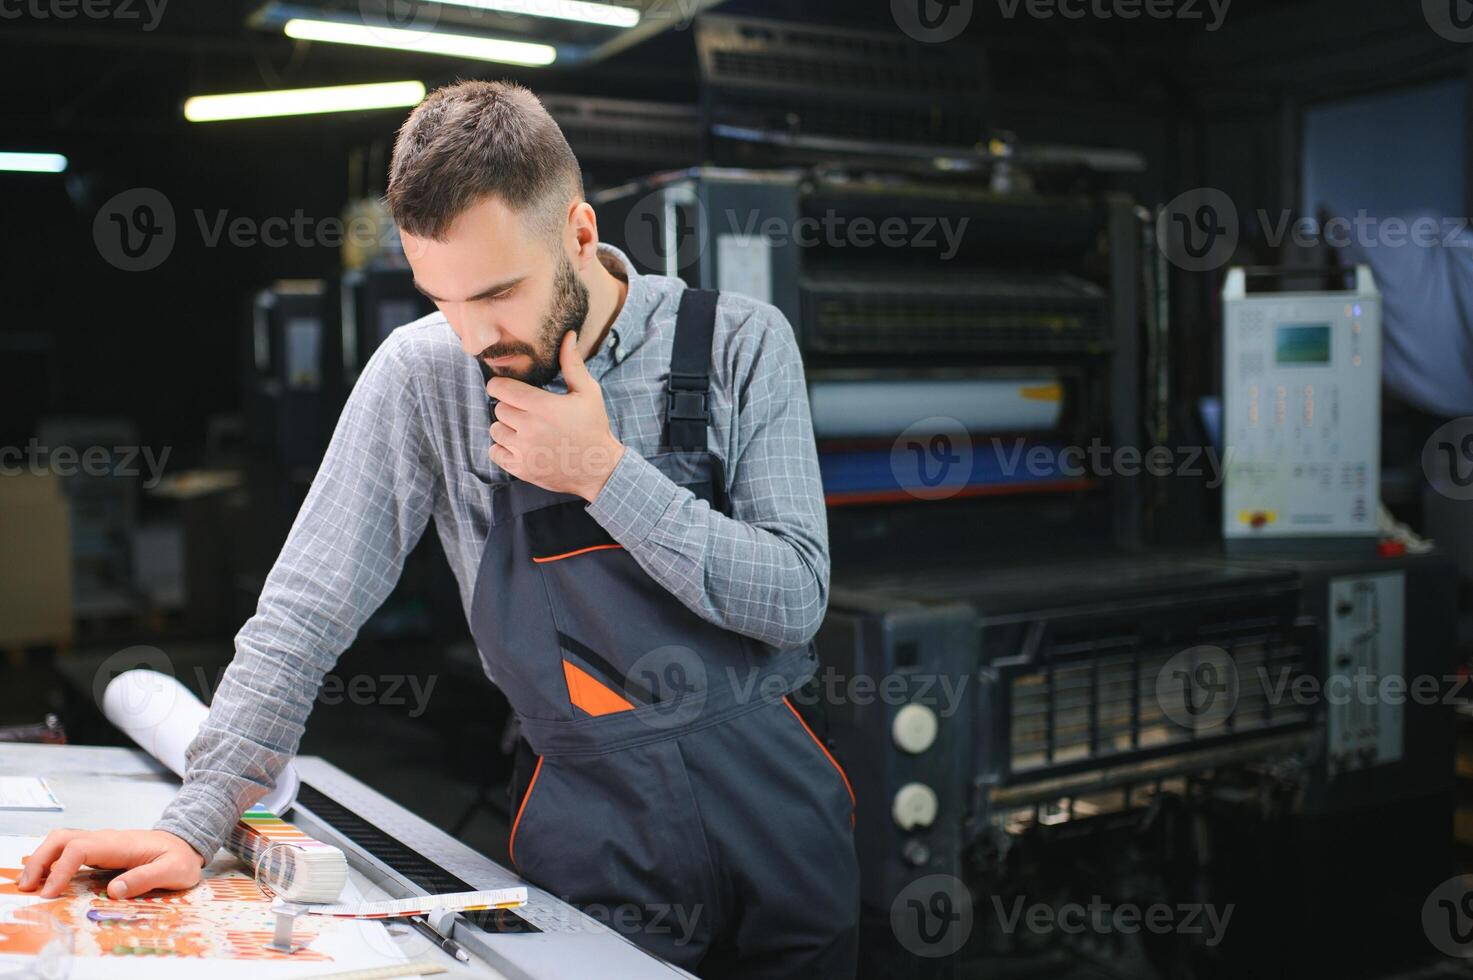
508, 292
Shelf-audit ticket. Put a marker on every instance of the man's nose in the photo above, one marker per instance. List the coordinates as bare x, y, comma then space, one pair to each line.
476, 337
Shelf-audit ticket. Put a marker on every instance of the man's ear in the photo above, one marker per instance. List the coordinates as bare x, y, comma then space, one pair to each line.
583, 223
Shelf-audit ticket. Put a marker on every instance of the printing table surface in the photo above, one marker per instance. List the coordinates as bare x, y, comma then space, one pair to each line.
106, 788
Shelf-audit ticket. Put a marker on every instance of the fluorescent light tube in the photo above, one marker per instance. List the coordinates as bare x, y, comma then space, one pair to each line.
33, 163
423, 42
605, 14
303, 101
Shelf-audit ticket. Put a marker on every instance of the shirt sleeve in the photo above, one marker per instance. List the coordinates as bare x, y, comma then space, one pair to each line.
763, 571
367, 507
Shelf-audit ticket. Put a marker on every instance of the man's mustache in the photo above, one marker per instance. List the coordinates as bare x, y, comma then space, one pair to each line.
507, 350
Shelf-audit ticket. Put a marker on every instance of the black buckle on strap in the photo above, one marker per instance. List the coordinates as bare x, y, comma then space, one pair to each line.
688, 406
687, 401
688, 397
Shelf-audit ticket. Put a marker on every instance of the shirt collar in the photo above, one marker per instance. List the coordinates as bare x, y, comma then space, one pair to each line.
627, 331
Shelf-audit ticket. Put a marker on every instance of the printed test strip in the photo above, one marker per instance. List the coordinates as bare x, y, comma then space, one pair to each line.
496, 898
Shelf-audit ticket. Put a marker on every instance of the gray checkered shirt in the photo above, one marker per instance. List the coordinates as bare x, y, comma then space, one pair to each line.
413, 443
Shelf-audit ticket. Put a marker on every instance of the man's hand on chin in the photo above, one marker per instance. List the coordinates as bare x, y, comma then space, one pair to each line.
559, 442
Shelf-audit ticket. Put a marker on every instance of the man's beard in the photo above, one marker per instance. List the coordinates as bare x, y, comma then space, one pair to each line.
569, 310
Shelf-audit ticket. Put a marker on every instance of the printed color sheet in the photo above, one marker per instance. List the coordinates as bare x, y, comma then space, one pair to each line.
226, 919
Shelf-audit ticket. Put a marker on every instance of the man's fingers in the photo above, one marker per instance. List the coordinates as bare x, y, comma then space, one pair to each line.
164, 861
517, 393
165, 872
501, 432
67, 863
511, 414
575, 371
504, 458
42, 857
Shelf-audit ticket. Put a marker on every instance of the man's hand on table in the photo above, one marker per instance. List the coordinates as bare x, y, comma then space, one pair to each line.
151, 859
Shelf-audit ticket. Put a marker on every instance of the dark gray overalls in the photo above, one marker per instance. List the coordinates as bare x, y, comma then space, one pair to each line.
677, 792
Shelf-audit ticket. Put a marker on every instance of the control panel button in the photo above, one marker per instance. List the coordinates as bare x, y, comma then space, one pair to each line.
915, 805
916, 853
914, 728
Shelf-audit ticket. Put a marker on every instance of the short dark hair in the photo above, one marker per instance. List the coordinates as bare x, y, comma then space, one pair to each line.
471, 139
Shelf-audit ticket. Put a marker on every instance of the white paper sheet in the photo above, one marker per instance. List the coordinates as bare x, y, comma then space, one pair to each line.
219, 928
27, 793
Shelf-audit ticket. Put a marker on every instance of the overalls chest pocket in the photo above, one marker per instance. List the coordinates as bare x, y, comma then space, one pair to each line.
623, 641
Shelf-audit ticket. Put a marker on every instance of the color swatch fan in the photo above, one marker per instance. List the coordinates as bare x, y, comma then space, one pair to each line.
287, 861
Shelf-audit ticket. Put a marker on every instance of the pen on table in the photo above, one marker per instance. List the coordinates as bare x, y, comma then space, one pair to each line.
444, 942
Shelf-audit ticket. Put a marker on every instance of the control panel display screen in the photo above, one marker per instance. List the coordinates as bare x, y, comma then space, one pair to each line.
1302, 343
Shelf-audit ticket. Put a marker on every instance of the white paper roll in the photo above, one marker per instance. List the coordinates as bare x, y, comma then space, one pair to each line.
163, 716
883, 408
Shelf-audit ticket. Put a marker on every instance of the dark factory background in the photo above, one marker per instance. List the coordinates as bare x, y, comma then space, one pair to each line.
1111, 169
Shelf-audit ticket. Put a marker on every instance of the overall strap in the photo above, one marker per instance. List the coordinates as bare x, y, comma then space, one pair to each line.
687, 405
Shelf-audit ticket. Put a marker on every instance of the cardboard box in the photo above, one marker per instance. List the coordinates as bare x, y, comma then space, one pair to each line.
35, 562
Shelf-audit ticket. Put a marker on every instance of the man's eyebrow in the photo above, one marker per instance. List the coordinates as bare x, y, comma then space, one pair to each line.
492, 290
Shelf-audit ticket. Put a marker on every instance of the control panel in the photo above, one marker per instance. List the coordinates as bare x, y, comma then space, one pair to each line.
1301, 411
1365, 687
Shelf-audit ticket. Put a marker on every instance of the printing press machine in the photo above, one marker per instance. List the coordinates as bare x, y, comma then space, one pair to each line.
997, 638
1027, 751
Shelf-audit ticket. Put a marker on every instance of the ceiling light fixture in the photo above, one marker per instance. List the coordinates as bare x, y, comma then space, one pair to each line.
423, 42
604, 14
33, 163
303, 101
